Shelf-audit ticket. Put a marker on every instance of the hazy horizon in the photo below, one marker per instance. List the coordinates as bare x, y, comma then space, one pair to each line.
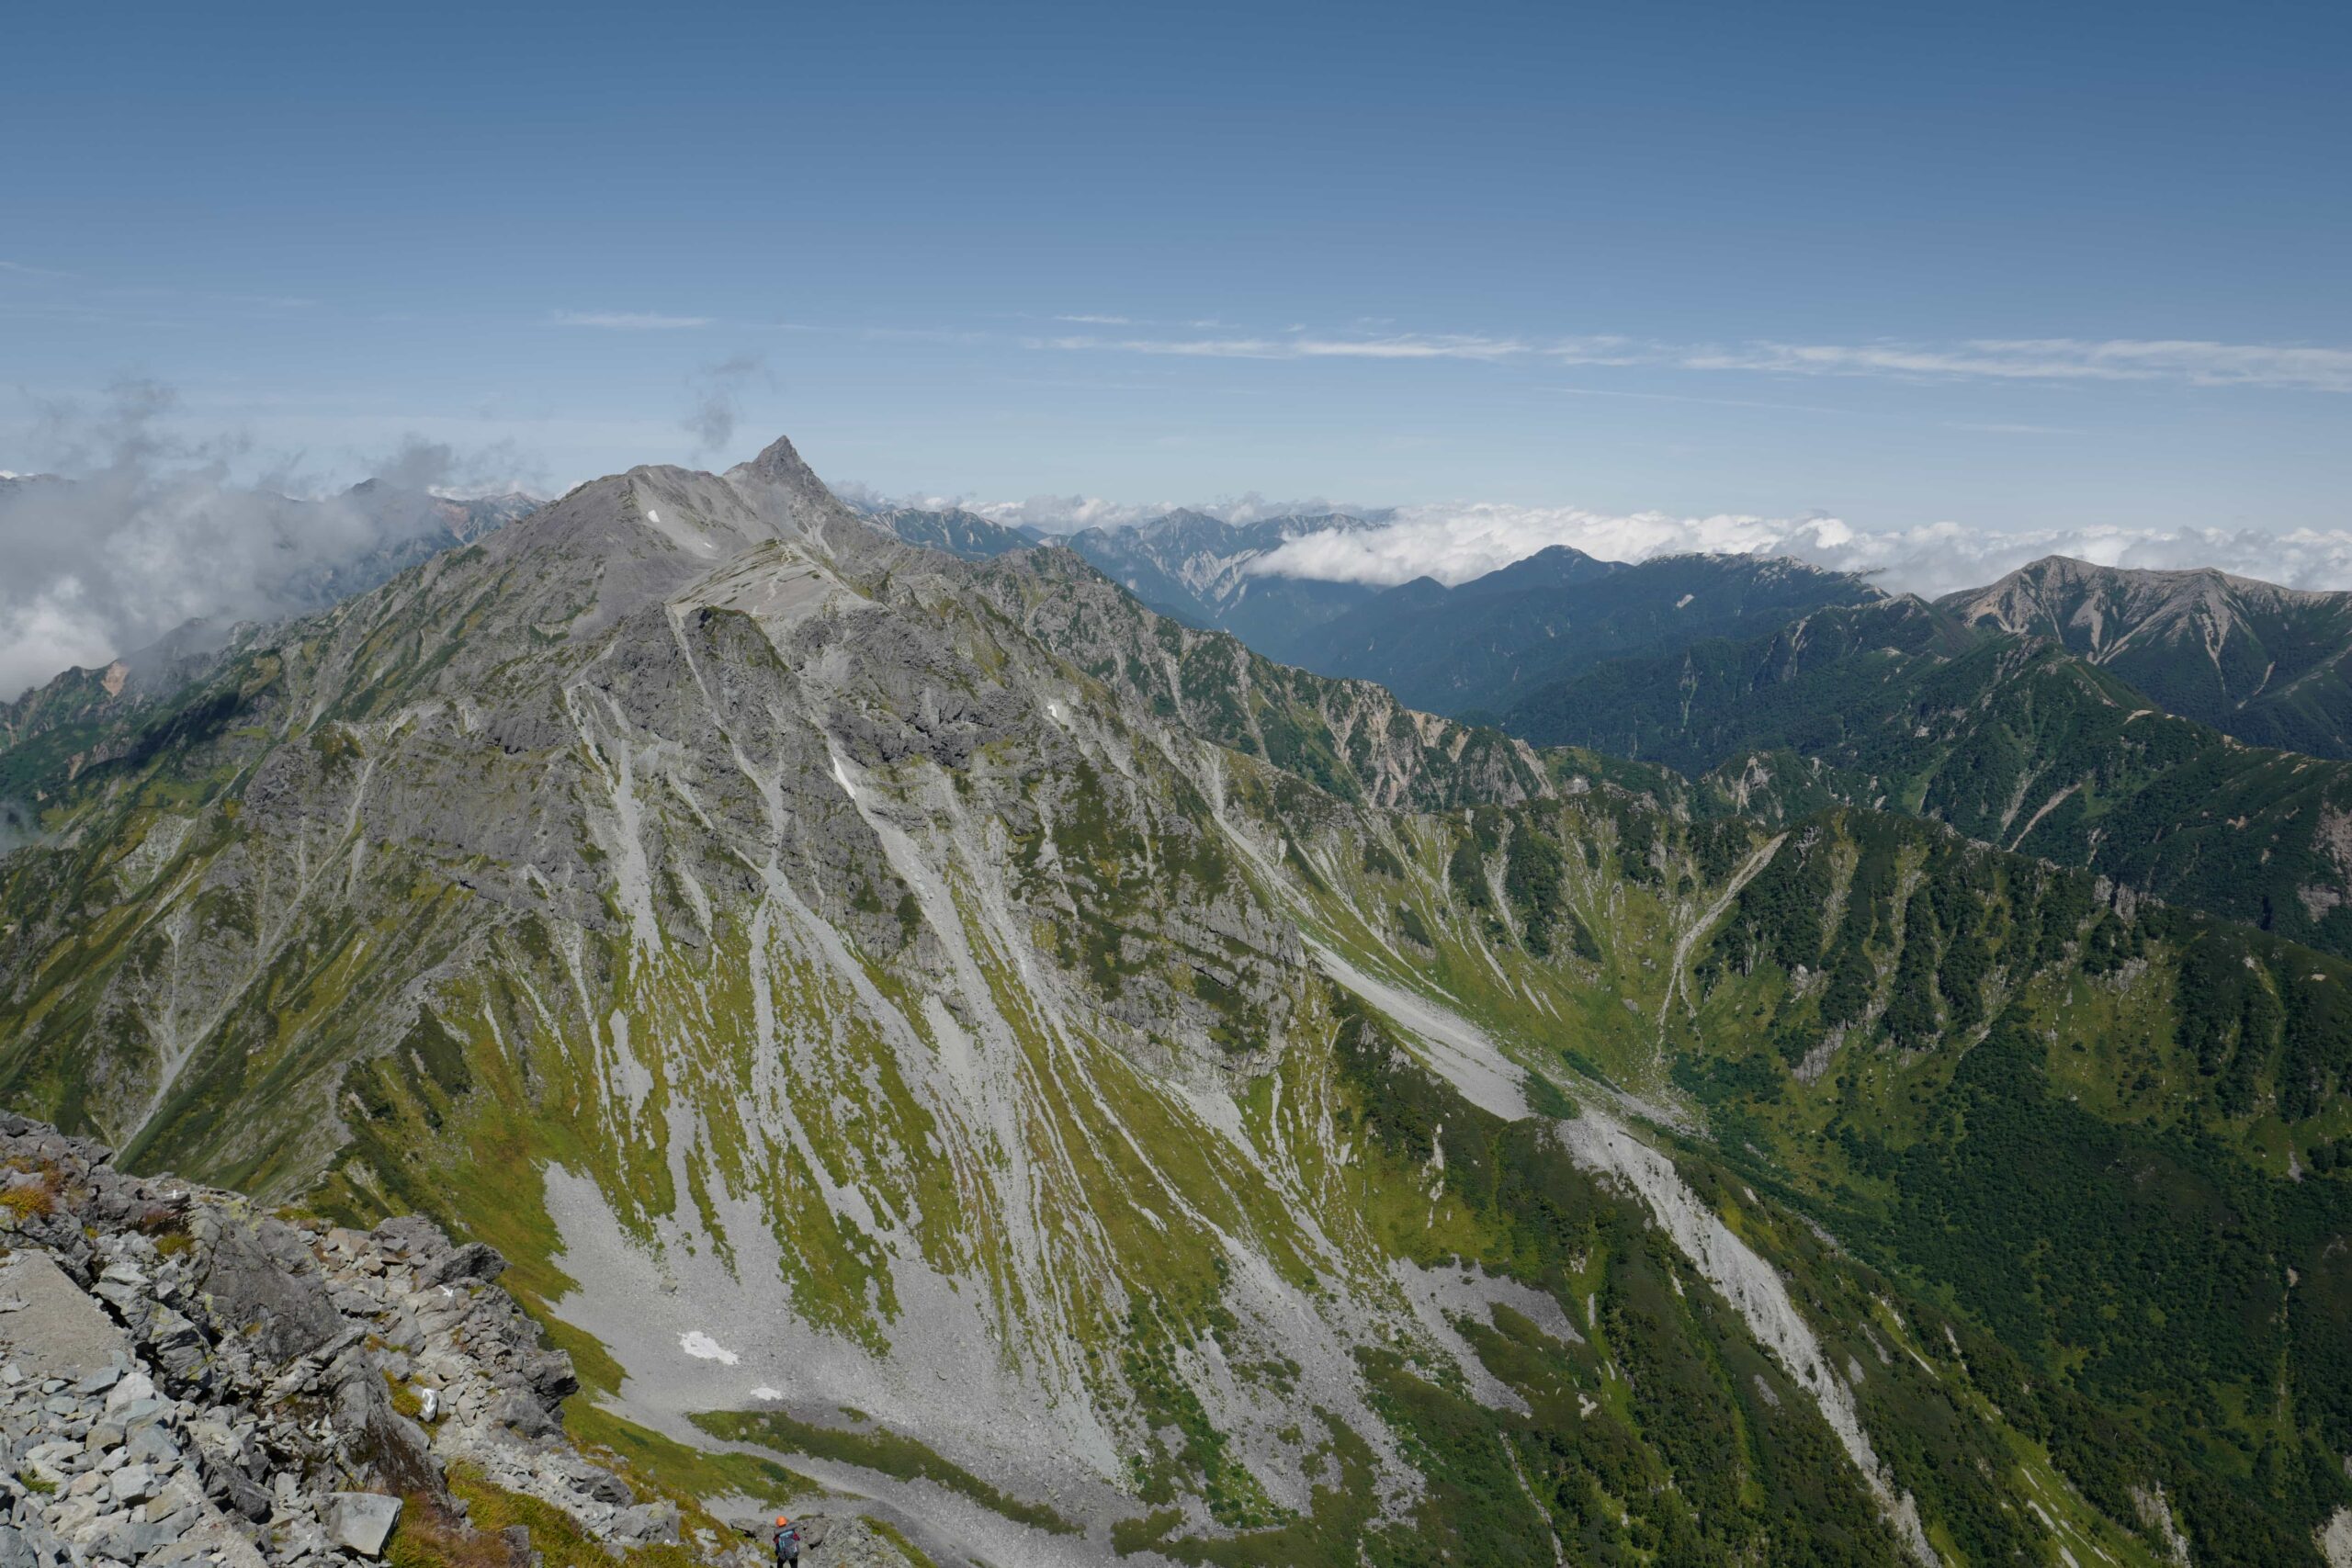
1920, 294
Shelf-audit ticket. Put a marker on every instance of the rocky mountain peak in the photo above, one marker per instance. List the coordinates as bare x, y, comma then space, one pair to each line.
779, 465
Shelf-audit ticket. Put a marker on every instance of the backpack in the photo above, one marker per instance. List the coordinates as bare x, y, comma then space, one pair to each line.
787, 1544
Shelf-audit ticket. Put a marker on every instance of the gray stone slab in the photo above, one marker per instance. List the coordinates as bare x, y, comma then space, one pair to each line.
362, 1521
59, 1332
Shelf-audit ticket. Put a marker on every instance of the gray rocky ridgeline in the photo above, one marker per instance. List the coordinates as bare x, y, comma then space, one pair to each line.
184, 1379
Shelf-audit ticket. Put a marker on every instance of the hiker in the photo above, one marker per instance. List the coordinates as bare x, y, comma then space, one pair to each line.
787, 1543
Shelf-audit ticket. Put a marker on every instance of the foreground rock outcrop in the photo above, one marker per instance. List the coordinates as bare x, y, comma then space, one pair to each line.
184, 1379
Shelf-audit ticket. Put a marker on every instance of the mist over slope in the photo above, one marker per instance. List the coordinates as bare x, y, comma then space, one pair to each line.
104, 565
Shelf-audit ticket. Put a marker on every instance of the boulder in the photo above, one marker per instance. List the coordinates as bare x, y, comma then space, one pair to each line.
475, 1260
413, 1234
362, 1521
649, 1524
262, 1278
215, 1541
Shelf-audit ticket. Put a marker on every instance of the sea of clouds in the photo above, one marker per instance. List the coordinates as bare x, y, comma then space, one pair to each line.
1455, 543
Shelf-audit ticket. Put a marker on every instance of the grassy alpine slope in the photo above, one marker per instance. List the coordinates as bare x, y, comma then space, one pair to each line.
1108, 1094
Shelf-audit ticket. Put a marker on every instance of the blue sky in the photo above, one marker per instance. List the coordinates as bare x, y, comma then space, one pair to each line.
2039, 267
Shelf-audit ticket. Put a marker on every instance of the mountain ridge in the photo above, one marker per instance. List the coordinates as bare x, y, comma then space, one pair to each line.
2264, 664
1203, 1110
1482, 644
2010, 738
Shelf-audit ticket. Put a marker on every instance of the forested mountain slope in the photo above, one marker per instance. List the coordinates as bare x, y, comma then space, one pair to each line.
1483, 644
2010, 738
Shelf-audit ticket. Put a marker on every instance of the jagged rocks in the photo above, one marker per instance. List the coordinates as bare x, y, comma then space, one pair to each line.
186, 1381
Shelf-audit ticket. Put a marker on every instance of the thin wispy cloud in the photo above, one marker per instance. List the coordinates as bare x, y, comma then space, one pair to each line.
628, 320
21, 270
1410, 346
1775, 406
2195, 362
1089, 321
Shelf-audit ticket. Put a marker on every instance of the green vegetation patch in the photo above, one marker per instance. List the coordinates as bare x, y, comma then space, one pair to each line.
891, 1453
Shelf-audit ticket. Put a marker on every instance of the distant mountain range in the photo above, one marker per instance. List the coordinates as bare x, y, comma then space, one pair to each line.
1184, 564
954, 530
1086, 1092
1481, 645
1198, 569
2066, 710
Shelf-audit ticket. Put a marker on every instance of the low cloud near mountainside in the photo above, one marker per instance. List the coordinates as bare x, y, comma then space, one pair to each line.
145, 532
1455, 543
150, 533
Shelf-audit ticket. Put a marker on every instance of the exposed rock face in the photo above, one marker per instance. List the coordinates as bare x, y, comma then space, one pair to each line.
2264, 664
185, 1380
866, 894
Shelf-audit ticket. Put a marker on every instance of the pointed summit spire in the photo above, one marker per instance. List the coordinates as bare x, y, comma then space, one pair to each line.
779, 463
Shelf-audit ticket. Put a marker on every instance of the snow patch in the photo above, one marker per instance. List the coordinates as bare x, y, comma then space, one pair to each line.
702, 1347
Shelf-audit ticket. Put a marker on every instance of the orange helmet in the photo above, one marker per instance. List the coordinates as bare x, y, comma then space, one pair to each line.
782, 1520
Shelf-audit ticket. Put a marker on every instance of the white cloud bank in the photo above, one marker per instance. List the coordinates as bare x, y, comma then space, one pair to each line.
1455, 543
